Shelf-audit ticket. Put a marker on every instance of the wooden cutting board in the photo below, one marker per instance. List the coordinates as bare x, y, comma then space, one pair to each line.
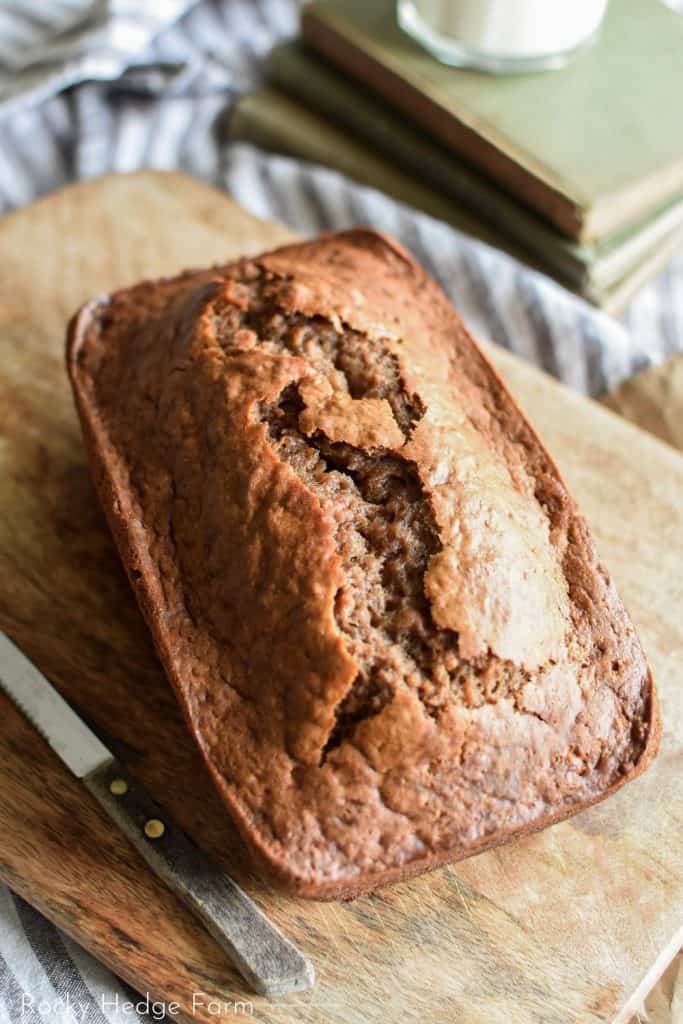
570, 925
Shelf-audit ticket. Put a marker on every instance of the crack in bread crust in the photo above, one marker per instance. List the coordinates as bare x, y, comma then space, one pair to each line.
384, 535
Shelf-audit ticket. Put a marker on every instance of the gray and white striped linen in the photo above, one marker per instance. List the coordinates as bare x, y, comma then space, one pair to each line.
163, 107
45, 48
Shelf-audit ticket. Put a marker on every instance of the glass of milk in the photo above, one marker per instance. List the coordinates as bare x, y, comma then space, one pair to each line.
502, 36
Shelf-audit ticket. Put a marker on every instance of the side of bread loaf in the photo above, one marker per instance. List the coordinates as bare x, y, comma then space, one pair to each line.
382, 613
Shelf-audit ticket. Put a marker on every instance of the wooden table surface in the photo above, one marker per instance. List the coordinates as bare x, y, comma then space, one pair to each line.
571, 925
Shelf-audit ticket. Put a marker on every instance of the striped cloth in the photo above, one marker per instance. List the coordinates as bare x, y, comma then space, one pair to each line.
45, 48
155, 79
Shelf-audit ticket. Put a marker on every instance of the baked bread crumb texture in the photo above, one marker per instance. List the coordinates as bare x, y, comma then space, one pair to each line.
382, 613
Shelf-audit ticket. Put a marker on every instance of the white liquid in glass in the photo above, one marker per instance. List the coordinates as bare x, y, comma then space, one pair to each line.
504, 30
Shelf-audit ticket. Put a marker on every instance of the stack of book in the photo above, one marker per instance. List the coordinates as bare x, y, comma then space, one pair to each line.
579, 172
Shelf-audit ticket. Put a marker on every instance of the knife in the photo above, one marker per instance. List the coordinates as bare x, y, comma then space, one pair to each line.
264, 957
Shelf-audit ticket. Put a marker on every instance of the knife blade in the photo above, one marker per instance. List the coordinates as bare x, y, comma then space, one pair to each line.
269, 961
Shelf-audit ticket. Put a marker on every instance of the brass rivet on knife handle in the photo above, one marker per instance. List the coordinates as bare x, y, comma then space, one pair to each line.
119, 787
154, 828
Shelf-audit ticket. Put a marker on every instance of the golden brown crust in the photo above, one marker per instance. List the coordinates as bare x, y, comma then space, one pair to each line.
382, 613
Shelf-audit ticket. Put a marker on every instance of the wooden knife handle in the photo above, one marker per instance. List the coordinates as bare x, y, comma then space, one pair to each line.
266, 959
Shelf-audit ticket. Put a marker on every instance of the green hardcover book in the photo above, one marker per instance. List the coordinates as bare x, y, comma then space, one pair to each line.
274, 121
587, 267
591, 148
277, 122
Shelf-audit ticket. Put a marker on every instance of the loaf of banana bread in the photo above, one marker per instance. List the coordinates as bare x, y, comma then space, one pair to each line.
381, 611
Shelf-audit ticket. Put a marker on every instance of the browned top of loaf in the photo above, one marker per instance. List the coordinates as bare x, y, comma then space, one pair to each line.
383, 615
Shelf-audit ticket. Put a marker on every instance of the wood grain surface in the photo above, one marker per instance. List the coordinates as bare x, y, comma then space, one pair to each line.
654, 400
570, 925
